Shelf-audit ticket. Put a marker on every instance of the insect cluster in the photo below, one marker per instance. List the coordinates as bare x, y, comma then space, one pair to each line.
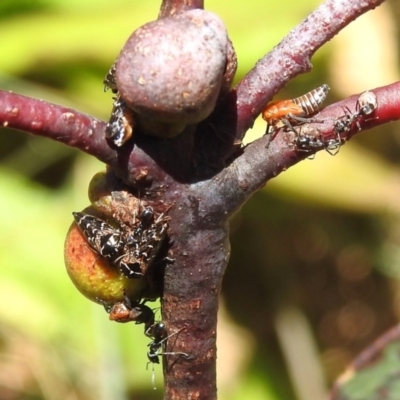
119, 128
292, 114
131, 249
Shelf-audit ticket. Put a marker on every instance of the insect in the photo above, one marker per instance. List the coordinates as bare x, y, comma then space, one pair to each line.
157, 347
143, 243
147, 216
131, 249
312, 140
103, 238
366, 104
109, 80
288, 112
127, 310
119, 128
344, 123
160, 336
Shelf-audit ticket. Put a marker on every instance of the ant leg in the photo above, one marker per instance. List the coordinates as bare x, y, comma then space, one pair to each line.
288, 125
271, 134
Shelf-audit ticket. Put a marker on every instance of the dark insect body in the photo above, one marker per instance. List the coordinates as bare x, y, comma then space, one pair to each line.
126, 311
344, 123
130, 249
157, 347
366, 104
143, 244
109, 80
103, 238
119, 128
309, 142
159, 334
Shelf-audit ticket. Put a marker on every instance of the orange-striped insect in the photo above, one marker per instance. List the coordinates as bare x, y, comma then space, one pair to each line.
291, 112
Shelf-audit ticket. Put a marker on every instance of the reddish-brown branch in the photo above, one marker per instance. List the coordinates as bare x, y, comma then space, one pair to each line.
280, 156
75, 129
291, 57
56, 122
370, 357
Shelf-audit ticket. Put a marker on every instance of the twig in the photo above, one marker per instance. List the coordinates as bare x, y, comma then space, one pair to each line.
291, 57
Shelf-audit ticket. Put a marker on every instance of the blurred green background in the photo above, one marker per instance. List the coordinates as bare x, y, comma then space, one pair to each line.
313, 276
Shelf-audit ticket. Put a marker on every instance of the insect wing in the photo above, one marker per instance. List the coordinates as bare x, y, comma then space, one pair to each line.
141, 248
151, 242
109, 244
101, 236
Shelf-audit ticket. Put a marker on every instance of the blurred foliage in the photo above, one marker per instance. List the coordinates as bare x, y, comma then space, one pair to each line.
322, 239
